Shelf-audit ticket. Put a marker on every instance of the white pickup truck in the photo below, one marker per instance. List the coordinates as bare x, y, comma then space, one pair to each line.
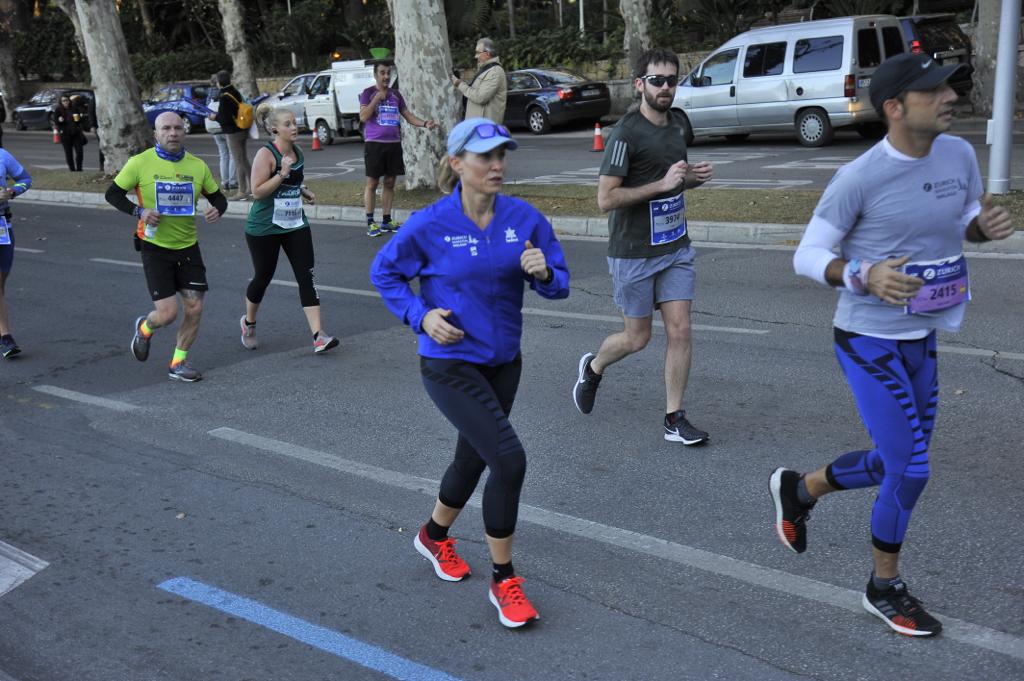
332, 109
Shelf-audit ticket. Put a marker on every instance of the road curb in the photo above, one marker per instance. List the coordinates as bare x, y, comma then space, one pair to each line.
752, 233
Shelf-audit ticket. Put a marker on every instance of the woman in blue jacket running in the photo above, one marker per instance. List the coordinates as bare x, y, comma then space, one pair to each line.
472, 252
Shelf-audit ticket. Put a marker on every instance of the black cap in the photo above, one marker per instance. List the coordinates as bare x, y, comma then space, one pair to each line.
905, 72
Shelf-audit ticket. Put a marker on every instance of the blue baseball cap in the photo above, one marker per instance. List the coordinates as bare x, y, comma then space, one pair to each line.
479, 135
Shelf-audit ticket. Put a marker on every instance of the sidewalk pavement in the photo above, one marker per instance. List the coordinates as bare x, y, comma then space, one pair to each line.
752, 233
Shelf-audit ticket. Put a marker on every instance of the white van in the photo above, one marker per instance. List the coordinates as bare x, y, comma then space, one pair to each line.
332, 107
811, 77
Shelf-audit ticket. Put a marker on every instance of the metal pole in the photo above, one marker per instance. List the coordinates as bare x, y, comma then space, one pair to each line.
295, 64
582, 27
1000, 128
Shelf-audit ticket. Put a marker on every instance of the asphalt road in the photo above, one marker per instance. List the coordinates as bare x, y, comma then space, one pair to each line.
258, 525
565, 157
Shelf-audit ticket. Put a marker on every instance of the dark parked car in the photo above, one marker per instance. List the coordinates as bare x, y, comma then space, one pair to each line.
939, 36
541, 98
186, 99
38, 111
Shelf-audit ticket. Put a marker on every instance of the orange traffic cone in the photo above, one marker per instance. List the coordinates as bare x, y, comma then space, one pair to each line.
598, 139
56, 136
316, 141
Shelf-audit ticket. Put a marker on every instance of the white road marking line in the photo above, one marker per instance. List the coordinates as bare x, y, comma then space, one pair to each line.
22, 249
618, 320
84, 398
749, 573
535, 311
16, 566
980, 352
107, 261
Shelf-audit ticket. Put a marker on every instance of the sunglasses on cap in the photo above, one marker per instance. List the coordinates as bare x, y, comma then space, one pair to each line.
483, 131
661, 81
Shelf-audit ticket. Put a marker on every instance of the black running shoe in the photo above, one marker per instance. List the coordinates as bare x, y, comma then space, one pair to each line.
585, 390
8, 347
790, 515
679, 429
140, 343
901, 611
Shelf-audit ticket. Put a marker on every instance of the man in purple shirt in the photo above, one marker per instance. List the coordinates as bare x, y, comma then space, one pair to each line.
380, 108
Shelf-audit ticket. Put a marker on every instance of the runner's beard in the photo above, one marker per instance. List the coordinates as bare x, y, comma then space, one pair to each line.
652, 101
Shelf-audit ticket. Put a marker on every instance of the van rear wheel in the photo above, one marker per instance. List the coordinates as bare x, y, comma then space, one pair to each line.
813, 128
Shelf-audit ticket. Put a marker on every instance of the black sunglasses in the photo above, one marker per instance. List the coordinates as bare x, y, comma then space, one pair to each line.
661, 81
483, 131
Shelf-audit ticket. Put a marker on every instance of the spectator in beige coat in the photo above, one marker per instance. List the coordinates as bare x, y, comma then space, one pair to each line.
485, 94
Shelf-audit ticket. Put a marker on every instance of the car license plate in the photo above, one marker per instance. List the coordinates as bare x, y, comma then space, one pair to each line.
863, 82
591, 92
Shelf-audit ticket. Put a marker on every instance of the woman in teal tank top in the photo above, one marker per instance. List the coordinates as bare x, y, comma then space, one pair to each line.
277, 222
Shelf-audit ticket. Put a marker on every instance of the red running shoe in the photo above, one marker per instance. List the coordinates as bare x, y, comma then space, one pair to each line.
514, 610
441, 554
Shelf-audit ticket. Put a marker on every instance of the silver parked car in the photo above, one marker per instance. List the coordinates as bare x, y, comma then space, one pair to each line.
811, 77
293, 97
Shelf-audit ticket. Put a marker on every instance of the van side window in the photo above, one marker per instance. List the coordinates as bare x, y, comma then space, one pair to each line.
721, 68
320, 85
818, 54
869, 53
892, 40
764, 60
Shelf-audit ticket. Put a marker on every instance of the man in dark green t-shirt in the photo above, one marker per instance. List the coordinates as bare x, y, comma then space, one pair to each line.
643, 174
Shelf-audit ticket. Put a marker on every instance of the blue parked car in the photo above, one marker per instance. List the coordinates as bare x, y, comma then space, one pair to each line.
187, 99
541, 98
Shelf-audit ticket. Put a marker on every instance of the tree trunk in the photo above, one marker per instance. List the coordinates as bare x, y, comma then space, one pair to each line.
243, 74
147, 18
68, 7
511, 19
637, 15
10, 83
122, 128
986, 45
424, 60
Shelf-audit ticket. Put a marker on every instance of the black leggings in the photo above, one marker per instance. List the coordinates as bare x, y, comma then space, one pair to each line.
477, 400
298, 246
73, 142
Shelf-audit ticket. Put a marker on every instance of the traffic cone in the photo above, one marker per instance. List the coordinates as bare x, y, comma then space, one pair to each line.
598, 139
56, 136
316, 141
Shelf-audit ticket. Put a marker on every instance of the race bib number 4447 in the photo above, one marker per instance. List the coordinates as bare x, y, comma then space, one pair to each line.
945, 284
175, 198
668, 219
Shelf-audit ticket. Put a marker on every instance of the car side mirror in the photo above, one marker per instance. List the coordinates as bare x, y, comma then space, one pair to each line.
281, 96
704, 81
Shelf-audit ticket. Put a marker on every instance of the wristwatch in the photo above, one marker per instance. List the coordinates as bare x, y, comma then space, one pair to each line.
138, 211
855, 276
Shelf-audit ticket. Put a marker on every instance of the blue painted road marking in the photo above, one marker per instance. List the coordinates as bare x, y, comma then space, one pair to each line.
325, 639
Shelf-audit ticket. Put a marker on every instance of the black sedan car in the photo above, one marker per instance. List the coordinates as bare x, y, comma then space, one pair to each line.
541, 98
38, 111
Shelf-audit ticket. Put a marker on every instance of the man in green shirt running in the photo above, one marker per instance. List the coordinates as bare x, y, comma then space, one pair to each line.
643, 174
167, 181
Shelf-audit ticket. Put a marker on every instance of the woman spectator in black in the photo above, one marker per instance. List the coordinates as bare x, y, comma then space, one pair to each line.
70, 121
227, 109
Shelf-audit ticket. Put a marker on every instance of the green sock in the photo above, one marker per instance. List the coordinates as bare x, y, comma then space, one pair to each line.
179, 356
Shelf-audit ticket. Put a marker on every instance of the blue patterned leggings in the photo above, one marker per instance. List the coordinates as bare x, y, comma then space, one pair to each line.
895, 384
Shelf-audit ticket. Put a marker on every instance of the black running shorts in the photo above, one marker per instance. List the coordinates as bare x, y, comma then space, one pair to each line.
169, 271
383, 159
